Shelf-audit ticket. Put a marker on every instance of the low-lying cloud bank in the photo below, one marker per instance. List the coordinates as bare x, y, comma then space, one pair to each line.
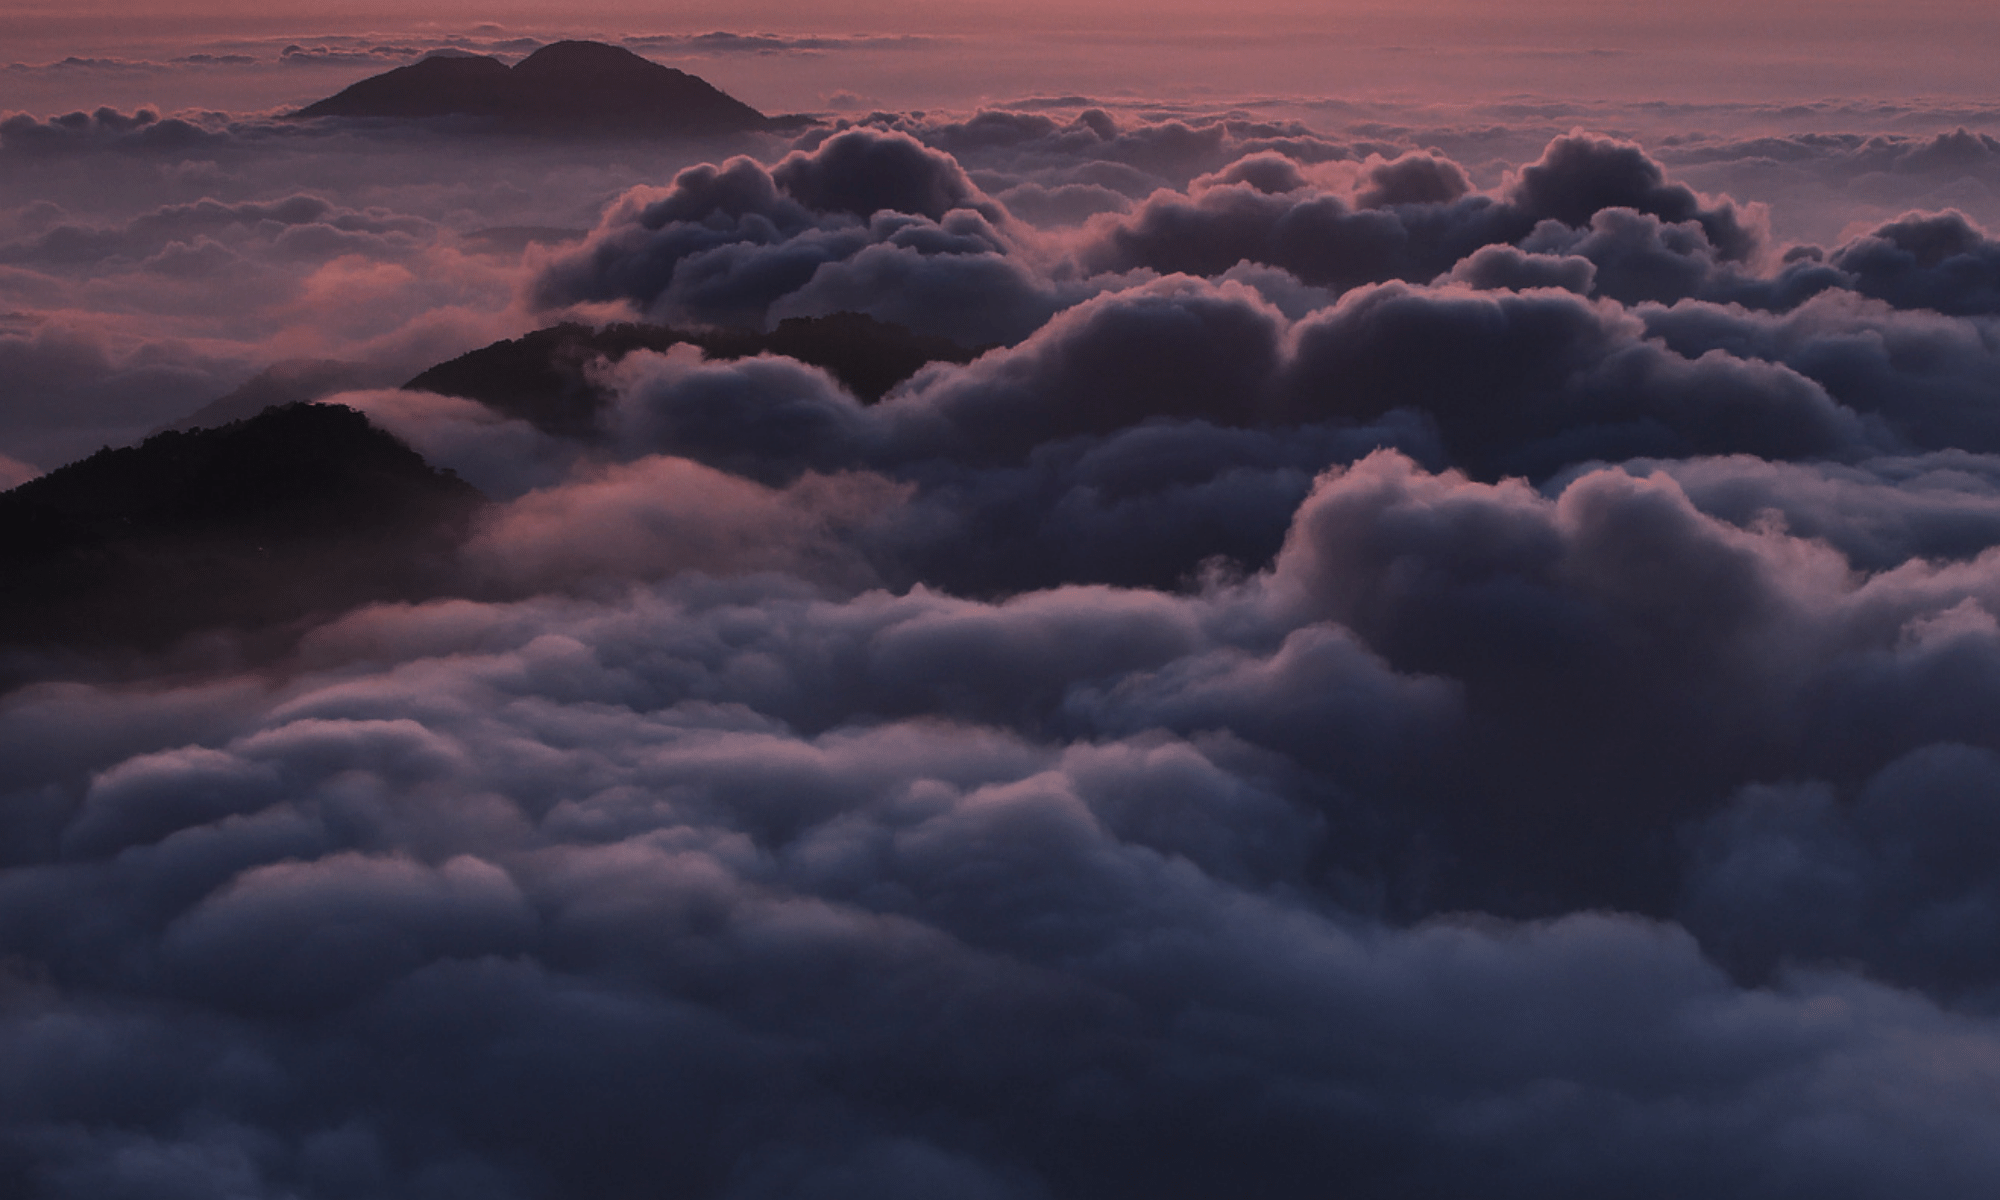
1377, 683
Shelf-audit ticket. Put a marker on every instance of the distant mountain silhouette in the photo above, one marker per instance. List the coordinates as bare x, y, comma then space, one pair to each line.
540, 377
293, 381
259, 525
304, 509
439, 86
563, 88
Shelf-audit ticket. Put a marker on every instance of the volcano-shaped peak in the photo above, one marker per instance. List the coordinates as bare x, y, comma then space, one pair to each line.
571, 88
560, 58
580, 84
439, 86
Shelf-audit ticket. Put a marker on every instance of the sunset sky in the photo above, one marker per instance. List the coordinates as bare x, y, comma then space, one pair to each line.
1093, 602
1426, 49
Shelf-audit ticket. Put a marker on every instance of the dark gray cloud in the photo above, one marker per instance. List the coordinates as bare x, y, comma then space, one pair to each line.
1895, 875
1449, 677
1061, 204
1579, 176
1505, 268
1547, 377
107, 128
1536, 380
904, 953
1413, 218
1939, 261
1133, 154
1879, 513
1593, 217
864, 173
283, 221
866, 221
1923, 374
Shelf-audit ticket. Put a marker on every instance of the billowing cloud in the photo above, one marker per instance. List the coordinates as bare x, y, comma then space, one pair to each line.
863, 218
1395, 666
1069, 868
25, 136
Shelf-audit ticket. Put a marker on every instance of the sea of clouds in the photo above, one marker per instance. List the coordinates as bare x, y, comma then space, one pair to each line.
1409, 670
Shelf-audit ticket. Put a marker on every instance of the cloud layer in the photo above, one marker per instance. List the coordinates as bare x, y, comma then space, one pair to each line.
1445, 677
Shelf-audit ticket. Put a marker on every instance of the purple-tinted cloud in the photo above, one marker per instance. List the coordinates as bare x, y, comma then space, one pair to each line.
1449, 674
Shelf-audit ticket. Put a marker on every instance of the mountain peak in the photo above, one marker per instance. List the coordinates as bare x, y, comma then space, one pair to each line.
582, 55
571, 88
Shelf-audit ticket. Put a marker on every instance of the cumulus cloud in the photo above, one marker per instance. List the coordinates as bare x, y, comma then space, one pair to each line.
742, 244
1939, 261
301, 224
1451, 676
1059, 867
25, 136
865, 222
1895, 877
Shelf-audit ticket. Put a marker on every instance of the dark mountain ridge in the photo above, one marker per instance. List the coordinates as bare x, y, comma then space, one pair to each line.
261, 525
574, 88
304, 508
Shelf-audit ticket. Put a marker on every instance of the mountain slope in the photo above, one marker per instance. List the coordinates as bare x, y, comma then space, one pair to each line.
439, 86
305, 508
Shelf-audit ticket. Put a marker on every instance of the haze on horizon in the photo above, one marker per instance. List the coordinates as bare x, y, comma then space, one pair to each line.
1430, 50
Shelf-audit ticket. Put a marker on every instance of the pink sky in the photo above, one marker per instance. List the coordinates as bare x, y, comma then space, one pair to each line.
1441, 49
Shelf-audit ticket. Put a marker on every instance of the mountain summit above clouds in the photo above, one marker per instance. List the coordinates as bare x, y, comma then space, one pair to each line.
250, 525
565, 87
